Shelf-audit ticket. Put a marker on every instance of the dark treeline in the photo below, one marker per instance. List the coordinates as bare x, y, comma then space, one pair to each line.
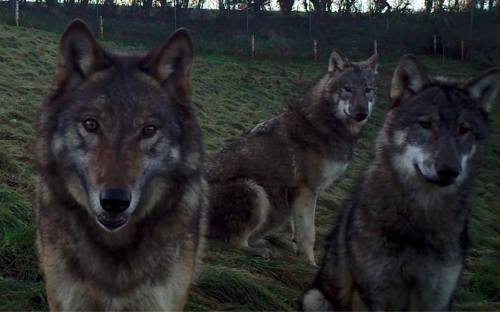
287, 34
319, 7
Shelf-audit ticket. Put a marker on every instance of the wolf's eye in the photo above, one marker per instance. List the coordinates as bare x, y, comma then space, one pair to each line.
90, 125
347, 89
149, 131
425, 124
368, 90
463, 130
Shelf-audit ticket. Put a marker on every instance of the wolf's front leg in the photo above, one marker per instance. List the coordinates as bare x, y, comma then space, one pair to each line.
304, 207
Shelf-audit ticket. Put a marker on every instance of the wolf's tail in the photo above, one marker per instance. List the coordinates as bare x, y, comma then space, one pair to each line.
314, 300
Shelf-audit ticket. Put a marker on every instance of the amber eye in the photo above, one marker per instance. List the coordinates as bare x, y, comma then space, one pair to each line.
90, 125
425, 124
149, 131
462, 130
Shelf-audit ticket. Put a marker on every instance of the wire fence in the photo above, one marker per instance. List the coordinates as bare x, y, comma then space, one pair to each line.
275, 36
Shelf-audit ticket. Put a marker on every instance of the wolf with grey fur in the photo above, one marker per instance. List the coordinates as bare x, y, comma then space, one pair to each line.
401, 239
121, 198
277, 169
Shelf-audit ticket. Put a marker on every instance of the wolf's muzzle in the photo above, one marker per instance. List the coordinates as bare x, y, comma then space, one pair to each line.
447, 176
358, 116
114, 202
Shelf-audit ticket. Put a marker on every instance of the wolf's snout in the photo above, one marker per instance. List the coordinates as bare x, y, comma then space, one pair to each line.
360, 116
115, 200
447, 175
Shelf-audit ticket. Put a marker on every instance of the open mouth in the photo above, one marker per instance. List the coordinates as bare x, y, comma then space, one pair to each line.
359, 118
438, 182
112, 222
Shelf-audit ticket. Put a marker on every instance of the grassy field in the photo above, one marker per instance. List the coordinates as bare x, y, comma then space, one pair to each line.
231, 95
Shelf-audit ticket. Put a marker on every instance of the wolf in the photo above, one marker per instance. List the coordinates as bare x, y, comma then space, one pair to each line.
121, 198
277, 169
401, 239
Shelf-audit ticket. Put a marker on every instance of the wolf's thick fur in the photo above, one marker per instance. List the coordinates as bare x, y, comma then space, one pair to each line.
121, 198
401, 240
278, 168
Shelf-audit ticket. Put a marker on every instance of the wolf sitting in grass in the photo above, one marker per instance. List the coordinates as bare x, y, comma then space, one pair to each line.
277, 169
401, 239
121, 199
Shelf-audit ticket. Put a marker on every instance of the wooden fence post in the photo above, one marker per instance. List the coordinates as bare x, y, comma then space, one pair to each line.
315, 50
253, 46
435, 45
375, 47
17, 13
101, 28
462, 50
442, 57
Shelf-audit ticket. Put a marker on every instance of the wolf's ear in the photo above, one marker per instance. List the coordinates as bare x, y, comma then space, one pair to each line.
372, 62
79, 54
409, 78
483, 89
337, 62
171, 64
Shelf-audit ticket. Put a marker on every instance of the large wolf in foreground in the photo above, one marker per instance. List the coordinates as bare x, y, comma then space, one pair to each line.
279, 167
121, 200
401, 240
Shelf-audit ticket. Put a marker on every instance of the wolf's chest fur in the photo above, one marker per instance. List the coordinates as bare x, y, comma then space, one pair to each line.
331, 170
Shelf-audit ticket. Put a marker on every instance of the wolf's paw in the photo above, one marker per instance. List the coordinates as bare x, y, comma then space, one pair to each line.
260, 243
309, 259
263, 252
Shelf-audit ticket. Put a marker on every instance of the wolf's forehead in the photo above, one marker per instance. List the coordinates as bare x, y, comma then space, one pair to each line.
126, 90
110, 103
357, 75
445, 101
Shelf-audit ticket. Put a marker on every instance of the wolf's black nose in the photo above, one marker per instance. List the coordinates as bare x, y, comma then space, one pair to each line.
115, 200
447, 176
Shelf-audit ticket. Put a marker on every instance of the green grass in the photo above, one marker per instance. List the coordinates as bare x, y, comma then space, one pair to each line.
231, 95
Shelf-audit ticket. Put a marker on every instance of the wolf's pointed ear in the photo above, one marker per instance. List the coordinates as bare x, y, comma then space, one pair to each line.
409, 78
337, 62
483, 89
79, 55
171, 64
372, 62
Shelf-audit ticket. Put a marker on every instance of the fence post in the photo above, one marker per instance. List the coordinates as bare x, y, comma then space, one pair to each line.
248, 24
375, 47
462, 50
253, 46
435, 45
315, 50
442, 57
175, 15
101, 27
17, 13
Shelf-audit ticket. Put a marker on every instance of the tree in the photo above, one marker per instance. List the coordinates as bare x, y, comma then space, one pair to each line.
286, 6
346, 6
428, 6
381, 5
258, 5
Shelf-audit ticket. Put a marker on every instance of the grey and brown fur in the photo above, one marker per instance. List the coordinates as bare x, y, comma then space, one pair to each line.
277, 169
401, 240
121, 199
